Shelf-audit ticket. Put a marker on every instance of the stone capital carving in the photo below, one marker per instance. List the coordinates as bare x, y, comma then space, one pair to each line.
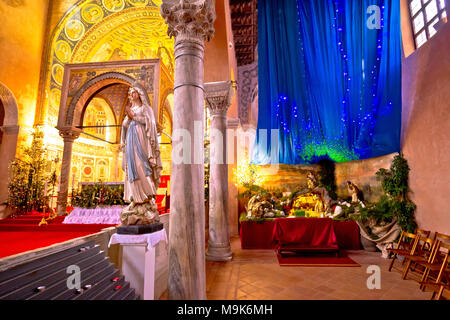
69, 134
218, 96
190, 20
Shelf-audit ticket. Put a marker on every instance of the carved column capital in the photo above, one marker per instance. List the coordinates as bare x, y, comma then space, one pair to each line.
191, 20
69, 134
218, 96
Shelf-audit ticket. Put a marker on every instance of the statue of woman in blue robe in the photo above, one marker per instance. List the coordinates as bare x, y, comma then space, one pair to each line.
141, 160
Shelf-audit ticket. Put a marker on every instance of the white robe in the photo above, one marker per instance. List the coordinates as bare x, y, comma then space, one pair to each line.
144, 188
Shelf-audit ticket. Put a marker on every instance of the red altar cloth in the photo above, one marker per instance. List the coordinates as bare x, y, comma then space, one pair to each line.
255, 235
304, 233
347, 235
259, 235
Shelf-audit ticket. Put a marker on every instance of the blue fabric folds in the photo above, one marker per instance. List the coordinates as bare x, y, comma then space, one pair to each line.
328, 81
133, 143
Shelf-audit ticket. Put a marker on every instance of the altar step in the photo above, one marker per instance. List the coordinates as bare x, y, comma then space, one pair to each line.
46, 278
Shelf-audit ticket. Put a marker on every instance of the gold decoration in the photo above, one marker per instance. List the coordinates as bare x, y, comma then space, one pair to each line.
113, 5
74, 29
55, 97
138, 3
63, 51
58, 73
92, 13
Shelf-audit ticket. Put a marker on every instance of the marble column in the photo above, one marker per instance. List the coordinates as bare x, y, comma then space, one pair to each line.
69, 134
191, 23
218, 99
114, 165
233, 125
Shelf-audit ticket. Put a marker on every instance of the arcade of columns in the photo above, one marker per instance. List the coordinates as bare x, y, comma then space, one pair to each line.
191, 24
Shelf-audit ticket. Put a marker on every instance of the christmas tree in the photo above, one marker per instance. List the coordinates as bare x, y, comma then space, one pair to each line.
28, 177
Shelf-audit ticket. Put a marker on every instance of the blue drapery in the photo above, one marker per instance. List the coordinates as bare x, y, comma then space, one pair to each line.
330, 84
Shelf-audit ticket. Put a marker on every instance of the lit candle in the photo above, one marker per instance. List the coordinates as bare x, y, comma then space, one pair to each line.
45, 189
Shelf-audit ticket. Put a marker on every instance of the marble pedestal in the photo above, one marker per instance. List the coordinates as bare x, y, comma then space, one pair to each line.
143, 261
138, 267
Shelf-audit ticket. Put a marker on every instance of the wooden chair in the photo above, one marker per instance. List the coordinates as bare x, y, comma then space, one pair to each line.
423, 233
438, 267
442, 237
404, 247
440, 290
422, 252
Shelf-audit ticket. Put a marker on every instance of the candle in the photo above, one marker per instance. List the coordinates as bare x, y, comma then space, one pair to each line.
45, 189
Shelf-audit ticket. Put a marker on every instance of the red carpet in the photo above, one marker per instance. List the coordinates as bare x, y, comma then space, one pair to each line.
15, 242
22, 233
318, 260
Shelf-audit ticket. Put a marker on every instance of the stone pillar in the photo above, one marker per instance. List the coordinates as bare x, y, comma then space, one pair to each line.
69, 134
8, 149
233, 125
218, 100
191, 23
114, 165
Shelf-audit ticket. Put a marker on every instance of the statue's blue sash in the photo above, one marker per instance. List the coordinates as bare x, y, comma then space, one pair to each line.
133, 144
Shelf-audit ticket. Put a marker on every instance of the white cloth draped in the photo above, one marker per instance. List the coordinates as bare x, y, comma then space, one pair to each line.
151, 239
99, 215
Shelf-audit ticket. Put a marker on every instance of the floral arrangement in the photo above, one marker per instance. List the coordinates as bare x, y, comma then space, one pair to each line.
98, 195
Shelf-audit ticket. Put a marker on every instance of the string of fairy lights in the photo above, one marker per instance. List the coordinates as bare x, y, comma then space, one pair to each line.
313, 143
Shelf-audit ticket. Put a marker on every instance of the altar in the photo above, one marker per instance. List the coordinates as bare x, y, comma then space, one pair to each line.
259, 235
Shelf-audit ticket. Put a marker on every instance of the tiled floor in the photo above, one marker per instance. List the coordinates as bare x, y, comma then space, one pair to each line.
256, 275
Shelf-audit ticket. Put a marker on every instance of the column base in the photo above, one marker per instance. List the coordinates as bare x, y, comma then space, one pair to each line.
218, 252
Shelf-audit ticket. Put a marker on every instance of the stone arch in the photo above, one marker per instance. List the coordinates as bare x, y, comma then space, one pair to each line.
162, 106
74, 114
76, 50
8, 145
10, 106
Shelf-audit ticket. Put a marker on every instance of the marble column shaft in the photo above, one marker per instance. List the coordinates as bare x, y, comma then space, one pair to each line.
218, 100
190, 24
69, 135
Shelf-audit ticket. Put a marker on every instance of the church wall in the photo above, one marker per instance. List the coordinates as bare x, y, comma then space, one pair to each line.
22, 37
426, 127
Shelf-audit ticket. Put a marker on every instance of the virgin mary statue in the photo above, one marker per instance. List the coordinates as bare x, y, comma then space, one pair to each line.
141, 160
